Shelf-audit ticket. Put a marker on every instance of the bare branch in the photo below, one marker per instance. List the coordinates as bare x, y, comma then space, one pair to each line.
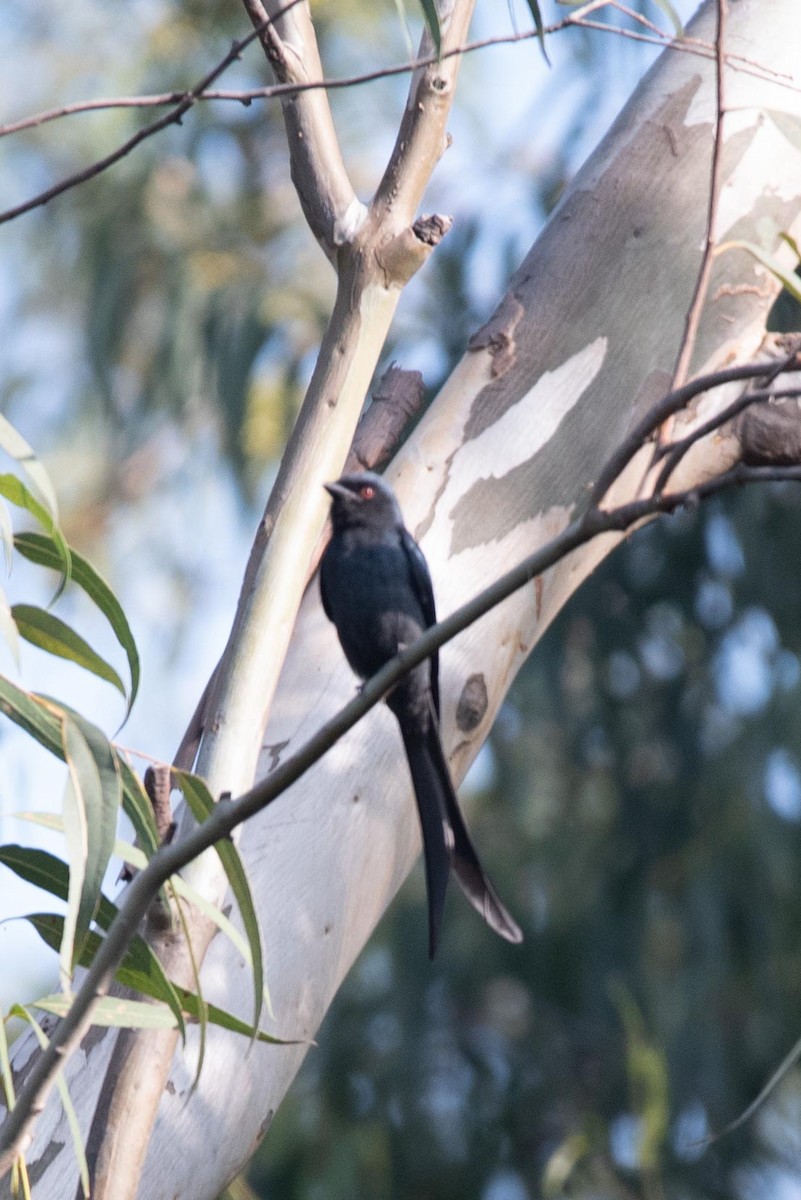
330, 205
667, 406
171, 118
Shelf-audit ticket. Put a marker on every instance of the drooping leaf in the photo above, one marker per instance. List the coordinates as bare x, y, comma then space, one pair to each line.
19, 1010
17, 448
432, 23
49, 873
91, 809
15, 490
201, 805
6, 533
540, 28
114, 1011
137, 808
139, 970
5, 1067
142, 971
672, 16
50, 633
32, 714
42, 720
41, 549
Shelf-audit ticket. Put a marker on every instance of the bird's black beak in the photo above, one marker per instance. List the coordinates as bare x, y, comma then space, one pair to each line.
337, 489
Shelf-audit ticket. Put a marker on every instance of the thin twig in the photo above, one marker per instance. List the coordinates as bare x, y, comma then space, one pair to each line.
171, 118
670, 404
183, 101
246, 96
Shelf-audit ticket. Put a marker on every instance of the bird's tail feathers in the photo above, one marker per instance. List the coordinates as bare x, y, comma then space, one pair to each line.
446, 842
435, 833
469, 872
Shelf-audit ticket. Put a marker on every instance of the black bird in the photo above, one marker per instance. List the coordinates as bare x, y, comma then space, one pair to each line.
376, 589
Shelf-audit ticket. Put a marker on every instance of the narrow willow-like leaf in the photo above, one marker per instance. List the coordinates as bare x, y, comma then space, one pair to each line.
15, 490
41, 549
789, 280
201, 804
42, 720
140, 969
6, 533
135, 858
8, 627
5, 1067
50, 633
136, 971
672, 16
432, 22
17, 448
76, 837
19, 1010
31, 714
90, 825
49, 873
114, 1011
540, 28
137, 808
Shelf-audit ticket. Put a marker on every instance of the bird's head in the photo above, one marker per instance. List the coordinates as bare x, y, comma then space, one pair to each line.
363, 500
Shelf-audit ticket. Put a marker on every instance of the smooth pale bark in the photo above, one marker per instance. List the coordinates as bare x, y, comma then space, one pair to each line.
585, 338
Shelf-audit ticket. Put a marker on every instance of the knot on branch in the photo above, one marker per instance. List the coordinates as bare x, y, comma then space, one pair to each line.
404, 253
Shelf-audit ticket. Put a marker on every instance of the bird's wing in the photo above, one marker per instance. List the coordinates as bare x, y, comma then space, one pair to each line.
424, 591
323, 596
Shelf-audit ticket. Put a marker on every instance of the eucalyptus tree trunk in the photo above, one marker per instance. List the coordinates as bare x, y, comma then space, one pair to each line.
586, 338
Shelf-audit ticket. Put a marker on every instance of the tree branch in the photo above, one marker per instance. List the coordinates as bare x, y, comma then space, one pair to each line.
332, 210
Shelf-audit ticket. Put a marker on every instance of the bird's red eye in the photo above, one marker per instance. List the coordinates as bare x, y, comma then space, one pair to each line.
367, 492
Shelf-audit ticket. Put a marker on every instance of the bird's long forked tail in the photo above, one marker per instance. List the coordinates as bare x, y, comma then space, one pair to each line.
446, 842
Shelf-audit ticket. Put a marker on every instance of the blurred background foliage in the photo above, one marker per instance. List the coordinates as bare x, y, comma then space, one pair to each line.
639, 800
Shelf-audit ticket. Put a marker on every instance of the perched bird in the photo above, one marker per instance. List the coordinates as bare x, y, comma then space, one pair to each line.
376, 589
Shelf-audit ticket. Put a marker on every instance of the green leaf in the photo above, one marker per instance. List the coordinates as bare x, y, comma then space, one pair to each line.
50, 633
226, 1020
19, 1010
540, 28
672, 16
137, 971
114, 1011
49, 873
15, 445
789, 280
432, 23
15, 490
6, 533
40, 549
42, 720
201, 805
91, 808
8, 627
31, 714
140, 969
5, 1067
